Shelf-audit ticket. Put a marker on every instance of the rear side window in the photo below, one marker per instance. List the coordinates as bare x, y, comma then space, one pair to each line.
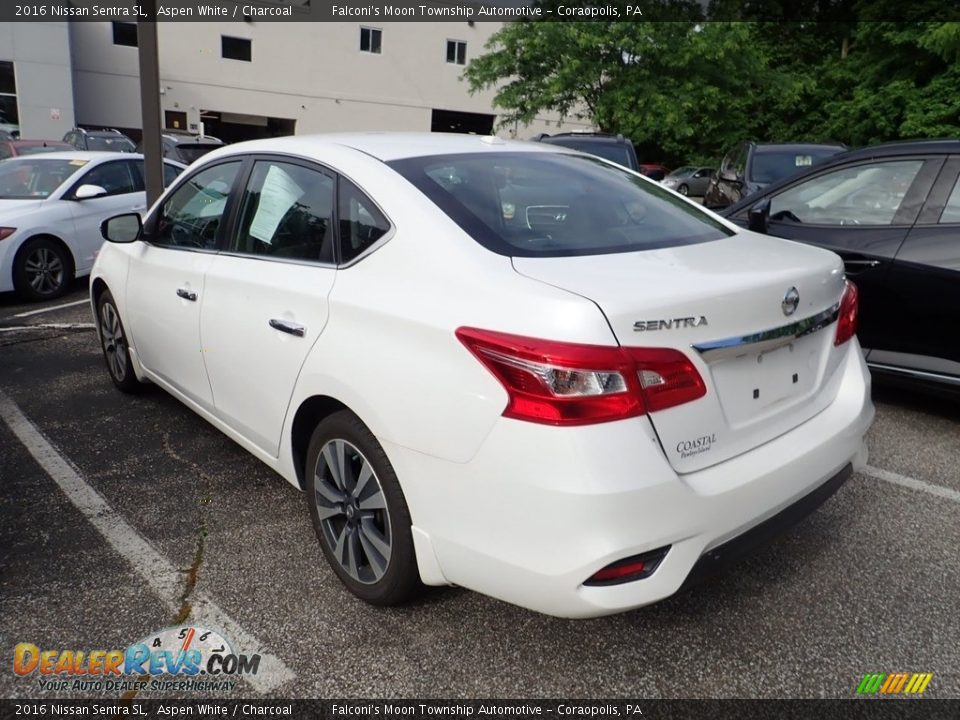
287, 213
361, 223
550, 204
951, 211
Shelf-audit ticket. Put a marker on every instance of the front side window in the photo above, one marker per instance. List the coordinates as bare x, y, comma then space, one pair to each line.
456, 52
117, 178
287, 213
869, 194
192, 215
370, 40
552, 204
35, 178
361, 223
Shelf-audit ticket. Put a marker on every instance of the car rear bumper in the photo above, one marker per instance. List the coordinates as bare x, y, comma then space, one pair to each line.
539, 509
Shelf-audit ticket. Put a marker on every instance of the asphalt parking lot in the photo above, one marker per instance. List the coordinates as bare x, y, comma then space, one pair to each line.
185, 527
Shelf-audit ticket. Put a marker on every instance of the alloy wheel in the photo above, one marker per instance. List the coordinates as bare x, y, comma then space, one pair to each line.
44, 270
352, 511
114, 343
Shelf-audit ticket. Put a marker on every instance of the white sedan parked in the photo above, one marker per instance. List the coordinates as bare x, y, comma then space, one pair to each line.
505, 366
51, 207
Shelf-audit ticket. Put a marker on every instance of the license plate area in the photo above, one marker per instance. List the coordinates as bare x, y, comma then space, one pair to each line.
755, 386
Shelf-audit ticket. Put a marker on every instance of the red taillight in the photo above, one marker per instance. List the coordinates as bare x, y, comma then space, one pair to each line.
558, 383
849, 314
6, 232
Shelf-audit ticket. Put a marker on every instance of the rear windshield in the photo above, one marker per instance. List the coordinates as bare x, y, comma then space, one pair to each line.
551, 204
112, 143
34, 178
193, 151
768, 166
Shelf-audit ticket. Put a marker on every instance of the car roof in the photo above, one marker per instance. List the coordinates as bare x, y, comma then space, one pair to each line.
388, 146
789, 147
88, 155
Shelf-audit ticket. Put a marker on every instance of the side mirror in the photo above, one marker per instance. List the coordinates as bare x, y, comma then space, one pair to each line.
86, 192
758, 217
125, 228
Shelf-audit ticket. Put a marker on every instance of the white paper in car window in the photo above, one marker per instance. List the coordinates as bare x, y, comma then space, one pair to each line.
277, 196
803, 160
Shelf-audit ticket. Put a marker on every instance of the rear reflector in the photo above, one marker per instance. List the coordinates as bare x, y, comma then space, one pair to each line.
849, 317
635, 567
559, 383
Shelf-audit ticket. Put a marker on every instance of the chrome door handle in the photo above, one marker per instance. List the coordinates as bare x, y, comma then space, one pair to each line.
186, 294
286, 326
862, 263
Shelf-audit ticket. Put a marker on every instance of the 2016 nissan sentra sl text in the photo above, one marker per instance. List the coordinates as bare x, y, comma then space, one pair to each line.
506, 366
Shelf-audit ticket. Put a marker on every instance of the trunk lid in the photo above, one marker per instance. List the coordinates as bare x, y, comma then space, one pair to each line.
722, 304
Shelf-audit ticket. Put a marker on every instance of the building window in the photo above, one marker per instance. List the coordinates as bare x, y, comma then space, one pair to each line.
9, 114
456, 52
370, 40
125, 33
234, 48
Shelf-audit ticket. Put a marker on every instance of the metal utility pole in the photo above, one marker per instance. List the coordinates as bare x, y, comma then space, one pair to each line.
150, 101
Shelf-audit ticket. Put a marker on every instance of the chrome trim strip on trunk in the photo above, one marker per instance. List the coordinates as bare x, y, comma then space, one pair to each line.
767, 340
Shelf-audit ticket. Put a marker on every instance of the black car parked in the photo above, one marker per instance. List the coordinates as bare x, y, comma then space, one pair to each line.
615, 148
892, 212
751, 166
185, 147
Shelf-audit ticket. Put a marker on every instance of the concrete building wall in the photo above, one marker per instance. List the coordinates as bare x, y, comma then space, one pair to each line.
40, 53
311, 73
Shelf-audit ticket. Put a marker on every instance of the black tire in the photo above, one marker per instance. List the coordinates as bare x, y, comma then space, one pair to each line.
113, 342
683, 190
367, 514
42, 269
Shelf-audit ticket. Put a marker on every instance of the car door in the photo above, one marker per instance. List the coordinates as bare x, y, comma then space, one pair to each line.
265, 300
862, 211
124, 194
165, 283
698, 181
924, 282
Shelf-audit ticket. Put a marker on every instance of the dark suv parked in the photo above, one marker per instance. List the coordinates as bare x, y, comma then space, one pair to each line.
185, 147
615, 148
105, 140
751, 166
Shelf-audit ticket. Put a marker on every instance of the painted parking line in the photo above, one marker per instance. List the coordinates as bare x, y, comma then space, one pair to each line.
908, 482
154, 569
50, 309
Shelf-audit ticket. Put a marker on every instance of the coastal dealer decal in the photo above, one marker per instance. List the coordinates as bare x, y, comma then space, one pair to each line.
702, 444
175, 658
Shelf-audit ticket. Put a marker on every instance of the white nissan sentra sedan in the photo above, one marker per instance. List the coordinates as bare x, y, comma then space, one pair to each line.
505, 366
